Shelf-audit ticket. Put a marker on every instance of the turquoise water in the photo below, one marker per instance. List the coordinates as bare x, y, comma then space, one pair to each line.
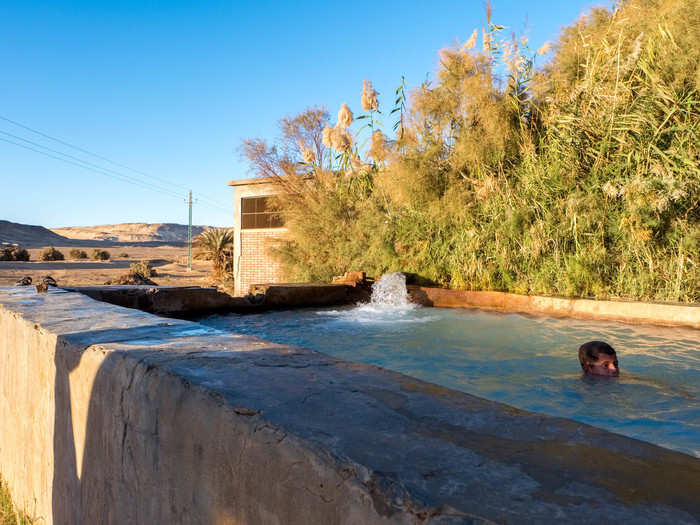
527, 362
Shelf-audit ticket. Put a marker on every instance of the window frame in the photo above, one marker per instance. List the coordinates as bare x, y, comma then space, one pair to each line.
261, 218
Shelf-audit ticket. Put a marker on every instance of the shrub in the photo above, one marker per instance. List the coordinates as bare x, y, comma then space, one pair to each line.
142, 268
100, 255
51, 254
13, 253
20, 254
215, 245
77, 254
9, 513
124, 255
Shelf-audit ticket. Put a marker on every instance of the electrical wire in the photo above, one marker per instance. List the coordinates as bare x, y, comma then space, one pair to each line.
81, 165
89, 165
201, 196
99, 156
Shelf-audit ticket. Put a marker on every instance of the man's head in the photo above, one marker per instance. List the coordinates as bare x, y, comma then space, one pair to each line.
598, 358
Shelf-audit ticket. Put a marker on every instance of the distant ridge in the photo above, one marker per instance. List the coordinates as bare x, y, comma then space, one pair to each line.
30, 236
131, 232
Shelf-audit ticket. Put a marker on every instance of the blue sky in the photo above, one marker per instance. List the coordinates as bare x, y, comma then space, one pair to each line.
171, 88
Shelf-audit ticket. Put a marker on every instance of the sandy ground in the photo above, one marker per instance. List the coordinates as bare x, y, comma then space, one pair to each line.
169, 261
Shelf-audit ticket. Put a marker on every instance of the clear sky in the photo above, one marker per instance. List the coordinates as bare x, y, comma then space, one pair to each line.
171, 88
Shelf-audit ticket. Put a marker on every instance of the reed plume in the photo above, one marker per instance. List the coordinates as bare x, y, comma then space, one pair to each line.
369, 97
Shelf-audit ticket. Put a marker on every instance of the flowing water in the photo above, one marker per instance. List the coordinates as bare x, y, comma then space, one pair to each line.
525, 361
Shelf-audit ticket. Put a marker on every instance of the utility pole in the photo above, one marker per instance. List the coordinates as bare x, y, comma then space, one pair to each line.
189, 236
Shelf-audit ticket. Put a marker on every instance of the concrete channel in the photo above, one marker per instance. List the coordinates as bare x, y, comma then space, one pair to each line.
113, 415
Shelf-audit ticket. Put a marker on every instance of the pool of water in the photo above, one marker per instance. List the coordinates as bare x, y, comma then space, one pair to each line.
528, 362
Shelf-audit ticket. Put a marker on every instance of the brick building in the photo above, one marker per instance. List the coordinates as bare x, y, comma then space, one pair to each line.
256, 228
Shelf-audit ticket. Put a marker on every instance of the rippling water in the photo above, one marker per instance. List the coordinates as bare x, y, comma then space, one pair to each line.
528, 362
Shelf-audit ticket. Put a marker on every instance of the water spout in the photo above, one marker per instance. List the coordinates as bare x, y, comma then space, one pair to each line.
390, 292
389, 305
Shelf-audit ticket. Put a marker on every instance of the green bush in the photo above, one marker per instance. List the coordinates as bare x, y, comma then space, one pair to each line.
215, 245
100, 255
9, 514
580, 178
77, 254
20, 254
13, 253
142, 268
51, 254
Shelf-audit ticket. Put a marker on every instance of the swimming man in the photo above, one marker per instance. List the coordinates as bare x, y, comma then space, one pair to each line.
598, 358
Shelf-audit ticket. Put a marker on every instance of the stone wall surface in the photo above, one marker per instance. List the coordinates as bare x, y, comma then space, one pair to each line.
627, 311
192, 301
111, 415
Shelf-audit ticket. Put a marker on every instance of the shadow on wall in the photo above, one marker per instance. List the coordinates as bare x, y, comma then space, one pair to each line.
110, 471
66, 483
137, 440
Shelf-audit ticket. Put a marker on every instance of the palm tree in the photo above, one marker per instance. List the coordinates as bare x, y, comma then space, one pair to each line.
214, 245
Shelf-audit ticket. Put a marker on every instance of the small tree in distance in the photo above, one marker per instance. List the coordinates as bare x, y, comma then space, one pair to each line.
100, 255
51, 254
215, 245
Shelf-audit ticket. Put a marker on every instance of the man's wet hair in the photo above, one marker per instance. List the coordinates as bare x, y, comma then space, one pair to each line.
590, 352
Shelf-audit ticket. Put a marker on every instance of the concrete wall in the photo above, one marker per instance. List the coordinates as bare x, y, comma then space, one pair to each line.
252, 263
627, 311
110, 415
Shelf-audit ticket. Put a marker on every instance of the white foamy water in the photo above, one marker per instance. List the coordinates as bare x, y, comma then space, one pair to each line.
390, 292
389, 305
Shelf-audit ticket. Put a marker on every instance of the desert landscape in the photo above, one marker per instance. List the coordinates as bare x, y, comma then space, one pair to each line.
446, 268
163, 246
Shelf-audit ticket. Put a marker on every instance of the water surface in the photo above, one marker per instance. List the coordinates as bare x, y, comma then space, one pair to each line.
525, 361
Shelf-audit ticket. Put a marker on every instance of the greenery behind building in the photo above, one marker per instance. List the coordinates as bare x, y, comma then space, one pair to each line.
579, 177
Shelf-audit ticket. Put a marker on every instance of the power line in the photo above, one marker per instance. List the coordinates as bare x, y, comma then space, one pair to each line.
96, 170
14, 122
89, 165
94, 154
81, 165
99, 170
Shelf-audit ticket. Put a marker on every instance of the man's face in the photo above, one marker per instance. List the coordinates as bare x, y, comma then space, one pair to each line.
606, 365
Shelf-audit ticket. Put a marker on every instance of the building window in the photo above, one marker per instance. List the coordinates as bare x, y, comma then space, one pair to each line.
259, 212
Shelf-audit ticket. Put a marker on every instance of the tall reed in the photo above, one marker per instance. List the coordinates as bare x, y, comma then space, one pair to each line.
578, 178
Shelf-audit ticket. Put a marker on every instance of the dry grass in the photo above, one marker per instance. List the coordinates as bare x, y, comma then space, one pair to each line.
581, 178
169, 261
8, 513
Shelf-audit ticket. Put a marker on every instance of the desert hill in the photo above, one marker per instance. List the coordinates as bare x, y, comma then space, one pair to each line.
28, 235
131, 232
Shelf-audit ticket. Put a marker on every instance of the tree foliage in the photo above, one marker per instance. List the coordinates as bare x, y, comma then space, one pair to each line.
577, 178
215, 245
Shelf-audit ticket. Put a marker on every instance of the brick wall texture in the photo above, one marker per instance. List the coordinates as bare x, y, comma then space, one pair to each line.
256, 264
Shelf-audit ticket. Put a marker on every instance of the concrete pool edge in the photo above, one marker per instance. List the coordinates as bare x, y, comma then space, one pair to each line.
121, 416
191, 301
626, 311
